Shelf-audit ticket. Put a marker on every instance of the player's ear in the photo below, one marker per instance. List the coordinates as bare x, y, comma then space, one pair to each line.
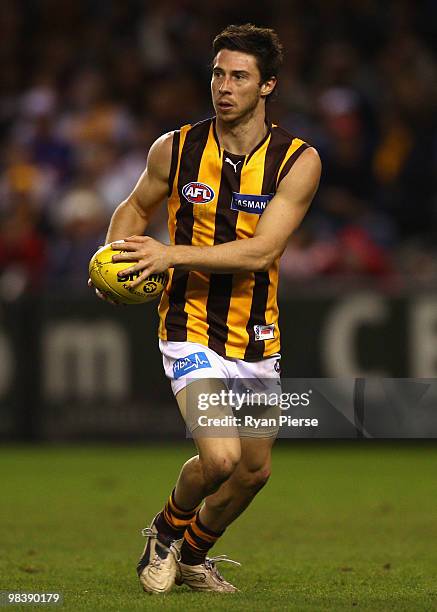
268, 86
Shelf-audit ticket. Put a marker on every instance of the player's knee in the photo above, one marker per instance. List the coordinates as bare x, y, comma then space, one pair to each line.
254, 480
218, 468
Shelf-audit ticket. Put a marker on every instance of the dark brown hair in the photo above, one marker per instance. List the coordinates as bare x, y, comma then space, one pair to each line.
262, 43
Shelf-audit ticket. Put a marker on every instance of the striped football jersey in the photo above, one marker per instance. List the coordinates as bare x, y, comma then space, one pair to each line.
216, 197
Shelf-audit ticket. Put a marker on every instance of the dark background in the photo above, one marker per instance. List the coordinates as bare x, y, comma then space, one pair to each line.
85, 88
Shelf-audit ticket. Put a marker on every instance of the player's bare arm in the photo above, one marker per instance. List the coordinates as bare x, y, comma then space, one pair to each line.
281, 218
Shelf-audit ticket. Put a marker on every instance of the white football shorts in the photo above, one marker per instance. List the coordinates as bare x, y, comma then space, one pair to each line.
244, 381
186, 362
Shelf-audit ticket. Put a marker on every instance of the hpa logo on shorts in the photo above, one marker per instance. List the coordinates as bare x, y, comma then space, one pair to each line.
198, 193
190, 363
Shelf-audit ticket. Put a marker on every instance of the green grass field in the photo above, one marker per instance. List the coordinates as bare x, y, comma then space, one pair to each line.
338, 527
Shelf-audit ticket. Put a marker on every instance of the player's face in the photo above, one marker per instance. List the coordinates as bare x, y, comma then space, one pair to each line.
236, 85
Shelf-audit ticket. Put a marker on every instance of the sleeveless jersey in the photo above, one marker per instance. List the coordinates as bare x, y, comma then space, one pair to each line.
216, 197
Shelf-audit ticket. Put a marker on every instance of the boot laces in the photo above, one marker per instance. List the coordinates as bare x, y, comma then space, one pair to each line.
213, 560
210, 563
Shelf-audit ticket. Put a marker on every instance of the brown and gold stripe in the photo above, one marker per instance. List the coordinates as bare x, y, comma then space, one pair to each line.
190, 159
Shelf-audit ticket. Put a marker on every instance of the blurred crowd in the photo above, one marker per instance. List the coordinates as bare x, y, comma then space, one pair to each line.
87, 85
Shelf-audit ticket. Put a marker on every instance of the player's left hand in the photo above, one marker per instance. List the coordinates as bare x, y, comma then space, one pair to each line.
149, 255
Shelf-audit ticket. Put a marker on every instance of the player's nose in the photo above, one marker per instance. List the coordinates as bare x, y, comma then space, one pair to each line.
224, 86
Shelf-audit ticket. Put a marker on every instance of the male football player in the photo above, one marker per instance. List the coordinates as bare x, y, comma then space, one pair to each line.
237, 188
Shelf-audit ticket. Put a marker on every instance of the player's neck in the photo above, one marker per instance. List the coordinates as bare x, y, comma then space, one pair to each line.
242, 137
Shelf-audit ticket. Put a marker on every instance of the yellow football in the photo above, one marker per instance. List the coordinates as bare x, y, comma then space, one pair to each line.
104, 275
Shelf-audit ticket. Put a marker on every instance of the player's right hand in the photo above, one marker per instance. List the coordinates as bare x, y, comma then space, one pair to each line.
101, 295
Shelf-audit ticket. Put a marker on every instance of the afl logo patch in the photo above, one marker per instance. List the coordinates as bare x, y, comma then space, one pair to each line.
198, 193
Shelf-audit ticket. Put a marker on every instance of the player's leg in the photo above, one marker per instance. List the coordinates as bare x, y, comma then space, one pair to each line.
203, 474
217, 457
200, 476
252, 473
253, 470
221, 508
217, 512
